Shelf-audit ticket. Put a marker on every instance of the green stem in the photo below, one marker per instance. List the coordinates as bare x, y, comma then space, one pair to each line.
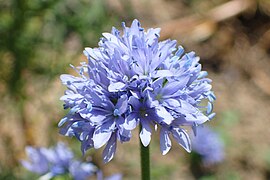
145, 161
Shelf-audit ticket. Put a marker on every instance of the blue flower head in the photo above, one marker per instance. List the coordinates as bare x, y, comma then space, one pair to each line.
208, 145
38, 162
56, 161
134, 79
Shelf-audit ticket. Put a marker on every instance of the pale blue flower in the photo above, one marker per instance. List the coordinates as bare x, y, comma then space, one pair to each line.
134, 79
59, 158
117, 176
56, 161
208, 145
81, 170
38, 162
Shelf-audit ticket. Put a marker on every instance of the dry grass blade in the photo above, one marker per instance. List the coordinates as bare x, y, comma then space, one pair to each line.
201, 27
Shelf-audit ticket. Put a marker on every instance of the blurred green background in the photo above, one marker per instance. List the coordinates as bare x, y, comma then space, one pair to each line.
39, 39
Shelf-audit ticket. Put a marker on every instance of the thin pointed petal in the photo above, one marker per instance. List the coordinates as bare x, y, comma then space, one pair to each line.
163, 113
182, 138
109, 150
115, 87
165, 142
103, 133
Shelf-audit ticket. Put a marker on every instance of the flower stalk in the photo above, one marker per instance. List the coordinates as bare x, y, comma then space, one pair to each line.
145, 161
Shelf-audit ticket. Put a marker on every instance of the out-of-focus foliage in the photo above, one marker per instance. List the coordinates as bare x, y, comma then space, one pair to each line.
39, 37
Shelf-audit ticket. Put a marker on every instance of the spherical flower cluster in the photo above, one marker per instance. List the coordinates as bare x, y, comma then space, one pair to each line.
208, 145
133, 79
56, 161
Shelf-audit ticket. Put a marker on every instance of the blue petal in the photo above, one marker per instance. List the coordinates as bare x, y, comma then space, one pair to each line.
174, 86
38, 161
125, 134
131, 121
101, 138
180, 51
164, 114
94, 53
67, 79
211, 116
110, 148
171, 103
182, 138
145, 134
152, 35
198, 118
81, 171
103, 134
209, 107
211, 96
162, 73
97, 118
202, 74
134, 102
74, 110
135, 27
110, 37
71, 97
135, 94
165, 142
115, 87
198, 90
122, 104
62, 121
186, 108
114, 177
